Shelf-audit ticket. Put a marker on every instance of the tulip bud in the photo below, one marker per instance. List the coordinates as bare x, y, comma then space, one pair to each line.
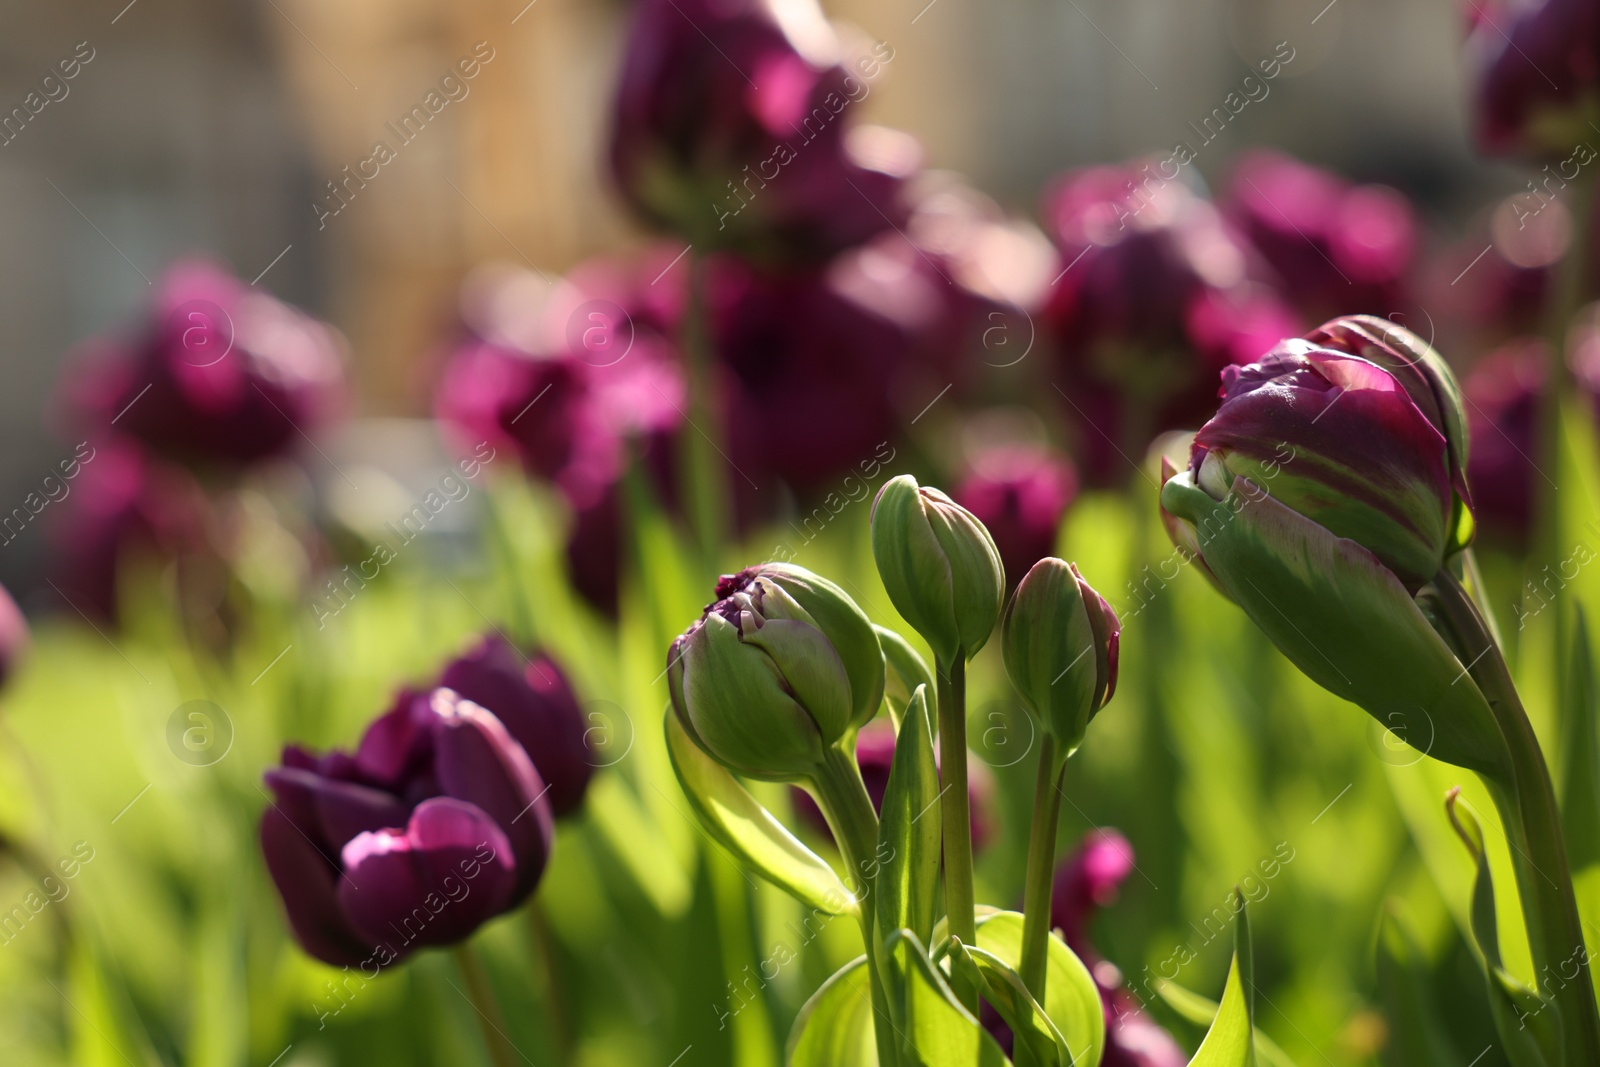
782, 665
939, 565
1060, 640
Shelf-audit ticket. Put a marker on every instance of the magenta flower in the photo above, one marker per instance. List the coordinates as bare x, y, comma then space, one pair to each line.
1505, 390
14, 638
1156, 295
1021, 493
218, 376
435, 825
531, 697
1337, 248
1536, 70
730, 130
1085, 882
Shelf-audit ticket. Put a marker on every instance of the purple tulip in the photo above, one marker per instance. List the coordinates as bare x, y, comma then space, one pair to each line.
531, 696
14, 639
220, 375
1085, 882
730, 130
435, 825
1021, 494
1336, 247
1156, 295
1536, 72
875, 757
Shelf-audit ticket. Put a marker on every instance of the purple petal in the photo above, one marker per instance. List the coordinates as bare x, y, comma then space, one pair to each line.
306, 881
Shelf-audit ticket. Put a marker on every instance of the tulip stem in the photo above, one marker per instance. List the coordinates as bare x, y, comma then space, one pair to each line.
1527, 803
842, 795
544, 948
701, 449
954, 814
1041, 867
491, 1020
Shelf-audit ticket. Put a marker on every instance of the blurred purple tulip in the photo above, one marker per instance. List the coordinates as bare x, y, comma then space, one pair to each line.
14, 639
730, 129
1337, 248
219, 375
531, 696
435, 825
1156, 295
1535, 72
1021, 494
1505, 390
1085, 882
875, 756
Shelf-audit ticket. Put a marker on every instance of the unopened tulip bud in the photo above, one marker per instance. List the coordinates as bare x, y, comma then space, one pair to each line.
939, 566
1060, 641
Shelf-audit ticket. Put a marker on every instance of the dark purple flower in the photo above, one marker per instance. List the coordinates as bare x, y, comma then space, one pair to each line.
1156, 295
1505, 390
14, 639
531, 696
435, 825
875, 757
1536, 70
220, 375
1085, 882
1021, 494
730, 129
1337, 248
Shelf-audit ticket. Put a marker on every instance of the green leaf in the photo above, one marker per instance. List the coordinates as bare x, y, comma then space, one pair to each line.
834, 1028
1417, 1034
933, 1029
1202, 1011
1580, 786
1004, 988
1230, 1041
738, 822
906, 670
1071, 999
1529, 1026
908, 828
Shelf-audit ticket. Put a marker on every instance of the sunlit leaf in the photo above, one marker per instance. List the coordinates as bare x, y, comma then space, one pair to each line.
933, 1029
1071, 998
1231, 1040
834, 1028
1003, 987
908, 831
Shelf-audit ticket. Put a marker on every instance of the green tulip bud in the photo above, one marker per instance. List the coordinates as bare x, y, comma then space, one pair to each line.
1060, 641
939, 565
780, 666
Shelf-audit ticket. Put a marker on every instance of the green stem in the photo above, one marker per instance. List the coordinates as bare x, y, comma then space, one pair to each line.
543, 944
490, 1018
954, 814
1041, 867
701, 455
500, 536
844, 801
1527, 805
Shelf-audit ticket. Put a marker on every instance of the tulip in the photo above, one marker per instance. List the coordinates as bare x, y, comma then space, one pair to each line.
1505, 390
14, 638
1322, 496
729, 129
1020, 494
1085, 882
1156, 295
533, 700
1060, 641
1336, 247
1536, 69
782, 666
939, 565
220, 375
433, 826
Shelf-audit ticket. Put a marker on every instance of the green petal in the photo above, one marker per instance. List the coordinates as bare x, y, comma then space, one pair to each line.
915, 572
739, 709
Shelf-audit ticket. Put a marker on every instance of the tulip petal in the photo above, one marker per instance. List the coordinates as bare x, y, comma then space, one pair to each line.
913, 565
1050, 650
434, 883
307, 881
979, 578
1343, 618
811, 669
852, 633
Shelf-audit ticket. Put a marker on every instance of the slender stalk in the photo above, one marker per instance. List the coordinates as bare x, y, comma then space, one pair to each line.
1527, 804
490, 1018
701, 452
544, 951
1041, 866
844, 801
954, 813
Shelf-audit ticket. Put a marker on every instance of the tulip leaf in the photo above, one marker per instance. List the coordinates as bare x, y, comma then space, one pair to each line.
1231, 1040
909, 828
1071, 999
739, 823
906, 667
1529, 1025
1580, 801
1202, 1011
834, 1028
1417, 1034
933, 1029
1004, 988
1343, 618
